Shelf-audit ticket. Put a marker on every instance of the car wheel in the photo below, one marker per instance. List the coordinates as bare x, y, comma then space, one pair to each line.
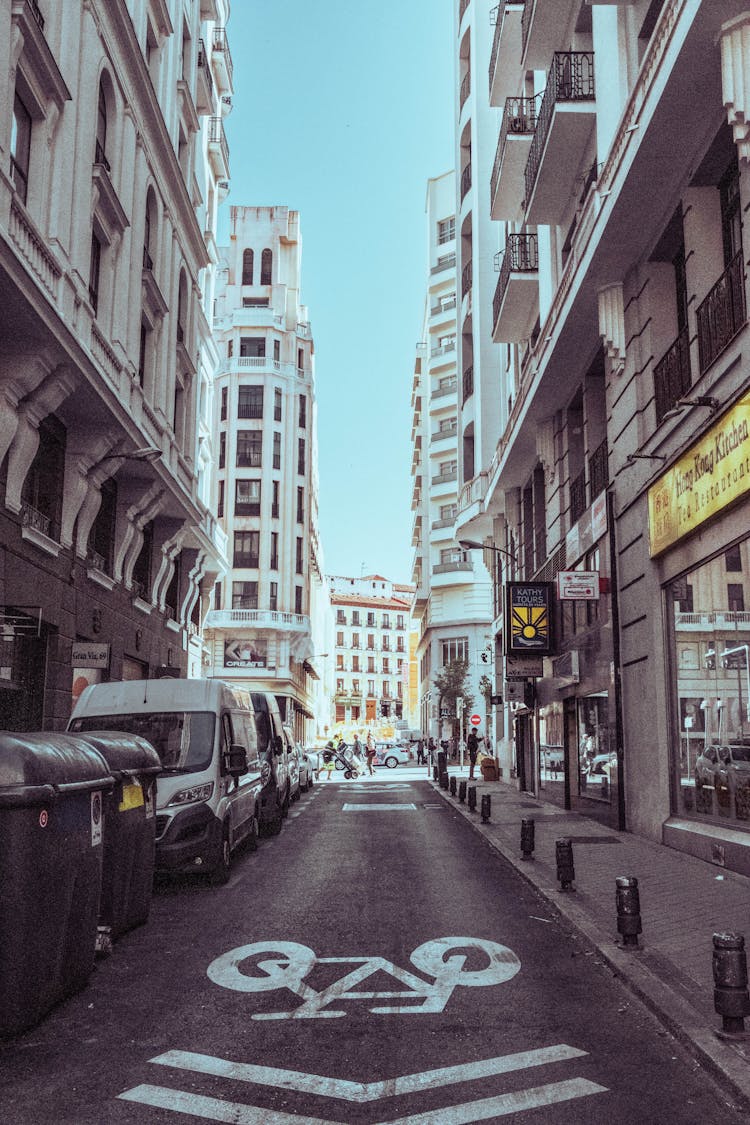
285, 804
252, 839
220, 874
391, 763
311, 780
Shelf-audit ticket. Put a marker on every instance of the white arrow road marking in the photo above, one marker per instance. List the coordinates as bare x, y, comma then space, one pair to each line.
377, 806
212, 1109
235, 1113
365, 1091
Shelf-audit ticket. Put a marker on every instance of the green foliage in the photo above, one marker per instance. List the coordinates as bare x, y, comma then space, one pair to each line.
452, 683
485, 686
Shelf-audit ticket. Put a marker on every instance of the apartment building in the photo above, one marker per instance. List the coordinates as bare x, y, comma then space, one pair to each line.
619, 185
110, 181
452, 604
268, 619
371, 620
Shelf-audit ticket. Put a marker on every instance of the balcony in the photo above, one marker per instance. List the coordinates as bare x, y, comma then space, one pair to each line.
507, 184
222, 60
218, 149
443, 354
204, 83
443, 392
453, 565
505, 56
468, 384
721, 314
599, 470
577, 497
448, 432
542, 24
564, 127
257, 619
672, 376
514, 307
465, 182
444, 262
465, 90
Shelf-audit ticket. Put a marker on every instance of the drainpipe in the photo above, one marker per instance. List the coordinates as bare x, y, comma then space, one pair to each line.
619, 737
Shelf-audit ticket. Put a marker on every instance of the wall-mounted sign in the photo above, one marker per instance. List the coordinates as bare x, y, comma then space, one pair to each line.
87, 654
578, 585
245, 652
519, 666
711, 475
514, 691
529, 618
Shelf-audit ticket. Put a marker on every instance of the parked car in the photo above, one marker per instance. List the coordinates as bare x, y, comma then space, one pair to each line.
389, 755
308, 766
724, 767
293, 756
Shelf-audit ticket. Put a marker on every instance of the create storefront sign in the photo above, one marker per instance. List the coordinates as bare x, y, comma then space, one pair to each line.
711, 475
245, 652
529, 618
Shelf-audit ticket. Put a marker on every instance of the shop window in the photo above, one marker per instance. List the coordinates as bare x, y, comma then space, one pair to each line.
597, 762
735, 597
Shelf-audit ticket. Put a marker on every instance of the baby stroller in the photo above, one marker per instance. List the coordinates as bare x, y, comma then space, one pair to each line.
346, 760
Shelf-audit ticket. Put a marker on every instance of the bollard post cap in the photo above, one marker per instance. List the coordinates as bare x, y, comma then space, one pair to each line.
729, 941
626, 881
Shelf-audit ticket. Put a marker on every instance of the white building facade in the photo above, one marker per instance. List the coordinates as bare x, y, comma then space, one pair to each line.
269, 616
451, 607
107, 212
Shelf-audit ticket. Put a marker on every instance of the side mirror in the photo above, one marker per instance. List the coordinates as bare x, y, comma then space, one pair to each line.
237, 760
278, 744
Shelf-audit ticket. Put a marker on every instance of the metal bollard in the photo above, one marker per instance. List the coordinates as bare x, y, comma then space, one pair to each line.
444, 779
486, 808
527, 838
462, 791
435, 774
565, 869
731, 999
453, 786
628, 909
471, 794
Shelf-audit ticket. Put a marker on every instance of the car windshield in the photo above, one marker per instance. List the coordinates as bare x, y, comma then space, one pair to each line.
182, 739
739, 753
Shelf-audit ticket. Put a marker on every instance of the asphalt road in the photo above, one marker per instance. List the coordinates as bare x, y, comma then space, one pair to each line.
374, 963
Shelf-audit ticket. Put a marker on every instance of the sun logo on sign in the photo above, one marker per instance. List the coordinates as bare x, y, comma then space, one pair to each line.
529, 626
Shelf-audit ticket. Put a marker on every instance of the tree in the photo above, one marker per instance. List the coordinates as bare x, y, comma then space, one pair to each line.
451, 684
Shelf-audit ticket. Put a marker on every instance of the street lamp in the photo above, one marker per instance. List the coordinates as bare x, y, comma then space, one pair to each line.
472, 545
145, 453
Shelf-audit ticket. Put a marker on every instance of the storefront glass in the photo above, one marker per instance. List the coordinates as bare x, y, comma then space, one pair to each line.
711, 689
597, 759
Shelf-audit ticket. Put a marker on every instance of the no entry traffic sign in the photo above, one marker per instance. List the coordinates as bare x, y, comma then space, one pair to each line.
475, 720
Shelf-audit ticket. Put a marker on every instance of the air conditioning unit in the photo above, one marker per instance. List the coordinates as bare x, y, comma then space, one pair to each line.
518, 125
223, 185
226, 102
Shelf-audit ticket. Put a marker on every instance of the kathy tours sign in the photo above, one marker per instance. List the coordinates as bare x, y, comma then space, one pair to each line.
712, 474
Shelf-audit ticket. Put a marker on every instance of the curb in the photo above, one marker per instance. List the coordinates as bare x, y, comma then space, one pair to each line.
727, 1063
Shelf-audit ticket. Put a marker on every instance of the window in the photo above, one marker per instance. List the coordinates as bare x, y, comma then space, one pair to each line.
731, 219
370, 685
370, 663
735, 597
94, 269
277, 404
217, 596
252, 346
247, 497
299, 555
339, 639
355, 617
20, 147
223, 410
300, 360
247, 267
246, 548
298, 599
266, 265
457, 648
100, 151
370, 639
230, 349
386, 643
355, 686
144, 345
400, 644
220, 503
400, 621
386, 620
244, 595
275, 500
370, 620
273, 600
277, 450
250, 402
222, 449
733, 558
339, 685
102, 534
249, 448
274, 550
302, 423
301, 456
386, 665
41, 495
447, 468
447, 425
142, 569
355, 663
446, 230
300, 505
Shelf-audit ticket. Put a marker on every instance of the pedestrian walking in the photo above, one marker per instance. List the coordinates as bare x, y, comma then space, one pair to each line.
327, 761
420, 752
431, 750
370, 751
472, 745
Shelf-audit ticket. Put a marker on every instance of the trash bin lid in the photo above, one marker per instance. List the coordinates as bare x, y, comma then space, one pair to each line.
124, 753
35, 766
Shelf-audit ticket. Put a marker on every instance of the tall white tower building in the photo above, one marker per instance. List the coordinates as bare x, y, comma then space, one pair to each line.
266, 493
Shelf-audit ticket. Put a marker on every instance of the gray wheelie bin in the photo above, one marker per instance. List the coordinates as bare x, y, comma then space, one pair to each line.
129, 832
52, 790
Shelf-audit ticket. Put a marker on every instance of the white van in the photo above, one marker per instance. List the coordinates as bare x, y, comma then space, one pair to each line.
214, 786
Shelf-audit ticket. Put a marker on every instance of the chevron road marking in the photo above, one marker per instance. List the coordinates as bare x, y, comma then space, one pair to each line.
235, 1113
365, 1091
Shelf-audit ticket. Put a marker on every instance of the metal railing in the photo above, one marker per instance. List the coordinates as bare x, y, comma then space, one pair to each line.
220, 43
465, 89
672, 375
444, 306
599, 469
32, 517
448, 389
217, 135
465, 181
443, 349
721, 314
249, 409
577, 497
468, 383
466, 278
204, 67
519, 119
521, 254
496, 18
445, 262
570, 79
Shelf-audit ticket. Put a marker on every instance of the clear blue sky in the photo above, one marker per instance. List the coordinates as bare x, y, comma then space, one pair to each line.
342, 111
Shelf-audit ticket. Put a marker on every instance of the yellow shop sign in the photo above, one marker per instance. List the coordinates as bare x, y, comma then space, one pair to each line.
714, 473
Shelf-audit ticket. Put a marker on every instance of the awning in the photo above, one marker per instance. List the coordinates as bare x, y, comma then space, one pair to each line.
310, 670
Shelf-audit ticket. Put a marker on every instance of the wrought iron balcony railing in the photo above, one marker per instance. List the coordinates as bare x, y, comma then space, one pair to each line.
570, 79
672, 375
521, 254
519, 117
577, 497
722, 313
466, 277
465, 89
598, 470
465, 181
468, 383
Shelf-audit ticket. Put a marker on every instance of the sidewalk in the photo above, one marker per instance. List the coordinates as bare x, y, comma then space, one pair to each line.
683, 901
